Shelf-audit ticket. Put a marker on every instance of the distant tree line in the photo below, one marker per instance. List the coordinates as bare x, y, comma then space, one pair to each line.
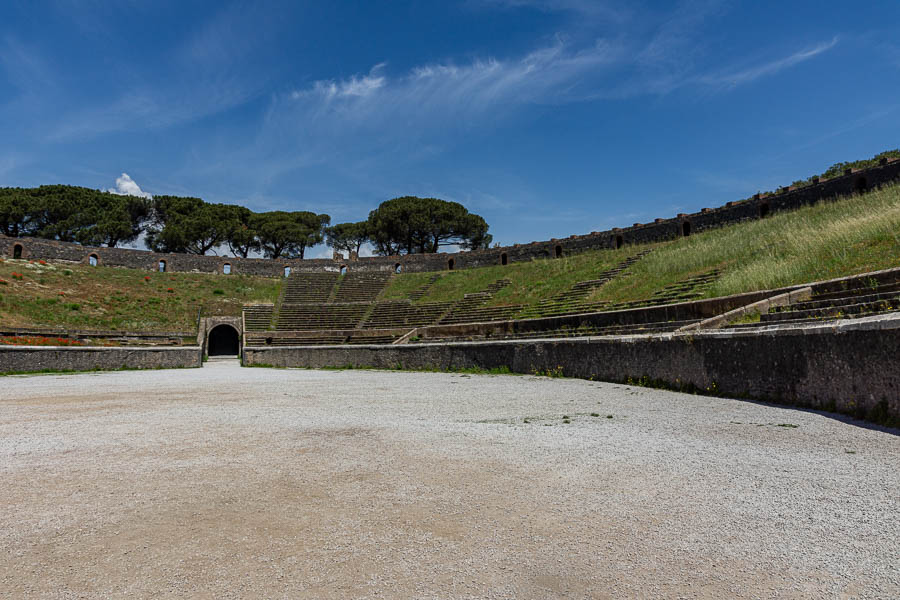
406, 225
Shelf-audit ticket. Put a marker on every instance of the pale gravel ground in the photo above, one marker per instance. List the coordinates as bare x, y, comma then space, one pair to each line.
227, 482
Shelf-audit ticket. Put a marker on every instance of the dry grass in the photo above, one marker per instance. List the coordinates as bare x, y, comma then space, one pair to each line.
84, 297
849, 236
832, 239
531, 281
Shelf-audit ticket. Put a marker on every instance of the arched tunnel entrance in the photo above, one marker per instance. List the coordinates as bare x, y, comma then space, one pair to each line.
223, 340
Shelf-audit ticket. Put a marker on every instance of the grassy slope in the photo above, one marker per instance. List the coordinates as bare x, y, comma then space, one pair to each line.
831, 239
121, 299
531, 281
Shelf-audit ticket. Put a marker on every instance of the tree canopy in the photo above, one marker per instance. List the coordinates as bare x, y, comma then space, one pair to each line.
407, 225
72, 214
243, 237
413, 225
348, 236
288, 234
189, 225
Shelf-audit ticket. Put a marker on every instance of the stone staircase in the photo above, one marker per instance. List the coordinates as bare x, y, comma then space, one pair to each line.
572, 301
403, 313
318, 338
471, 308
258, 317
319, 301
850, 303
691, 288
421, 291
309, 287
361, 287
564, 332
294, 317
484, 314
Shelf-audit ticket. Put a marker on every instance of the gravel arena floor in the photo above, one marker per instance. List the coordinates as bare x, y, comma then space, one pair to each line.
229, 482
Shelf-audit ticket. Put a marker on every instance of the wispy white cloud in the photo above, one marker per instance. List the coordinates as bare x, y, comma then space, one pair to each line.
359, 127
357, 124
443, 96
126, 186
356, 86
730, 79
551, 74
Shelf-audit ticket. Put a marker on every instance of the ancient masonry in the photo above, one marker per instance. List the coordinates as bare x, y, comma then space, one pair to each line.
852, 181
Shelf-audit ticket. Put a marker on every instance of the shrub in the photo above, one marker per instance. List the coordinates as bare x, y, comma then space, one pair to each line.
218, 292
73, 306
170, 290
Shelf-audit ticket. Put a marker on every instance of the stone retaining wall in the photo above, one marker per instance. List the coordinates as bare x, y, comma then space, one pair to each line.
848, 368
661, 229
55, 358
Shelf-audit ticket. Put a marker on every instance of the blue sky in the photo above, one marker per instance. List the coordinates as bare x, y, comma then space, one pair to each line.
547, 117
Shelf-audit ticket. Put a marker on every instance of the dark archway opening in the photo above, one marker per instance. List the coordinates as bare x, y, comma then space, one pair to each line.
343, 269
558, 251
398, 268
620, 241
504, 259
763, 210
93, 260
17, 251
450, 264
686, 228
162, 266
861, 185
223, 341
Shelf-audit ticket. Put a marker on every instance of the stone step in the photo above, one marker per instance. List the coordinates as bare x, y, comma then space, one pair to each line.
860, 291
877, 306
835, 302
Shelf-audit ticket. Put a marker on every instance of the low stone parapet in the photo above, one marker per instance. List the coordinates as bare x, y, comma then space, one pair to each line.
28, 359
847, 367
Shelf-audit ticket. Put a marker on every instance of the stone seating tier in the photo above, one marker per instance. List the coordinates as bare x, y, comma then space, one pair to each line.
361, 287
320, 316
632, 329
258, 317
309, 287
572, 301
401, 313
319, 339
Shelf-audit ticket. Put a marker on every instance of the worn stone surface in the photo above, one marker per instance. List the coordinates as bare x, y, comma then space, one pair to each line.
850, 367
224, 482
40, 358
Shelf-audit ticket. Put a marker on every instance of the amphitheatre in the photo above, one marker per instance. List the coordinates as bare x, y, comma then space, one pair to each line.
705, 405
